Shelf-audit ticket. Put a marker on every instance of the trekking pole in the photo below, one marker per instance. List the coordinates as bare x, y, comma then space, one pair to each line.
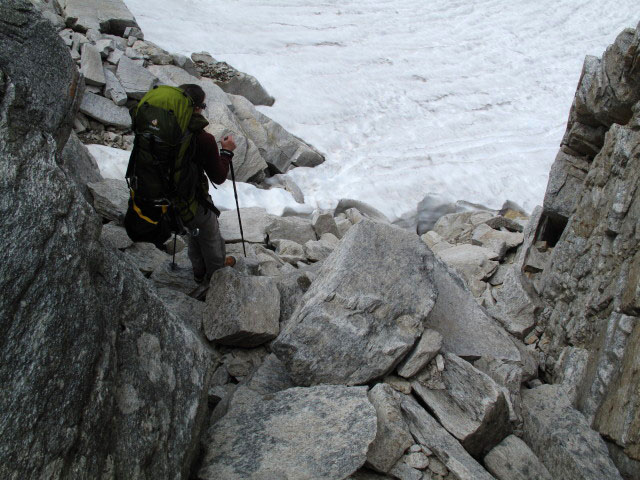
173, 261
235, 193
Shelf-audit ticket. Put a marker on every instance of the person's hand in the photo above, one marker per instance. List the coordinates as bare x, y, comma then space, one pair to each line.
227, 143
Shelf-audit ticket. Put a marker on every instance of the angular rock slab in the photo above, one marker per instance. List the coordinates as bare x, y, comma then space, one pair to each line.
254, 223
106, 16
110, 198
430, 434
428, 347
296, 229
105, 111
472, 407
242, 311
562, 438
311, 433
135, 79
516, 306
392, 436
270, 377
91, 66
363, 312
512, 459
466, 329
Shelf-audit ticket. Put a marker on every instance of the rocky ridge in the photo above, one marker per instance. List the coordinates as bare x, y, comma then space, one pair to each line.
356, 350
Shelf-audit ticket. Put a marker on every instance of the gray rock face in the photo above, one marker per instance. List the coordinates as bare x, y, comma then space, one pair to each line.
426, 430
135, 79
392, 436
364, 311
427, 348
106, 16
466, 329
471, 406
512, 459
314, 433
561, 437
606, 93
110, 198
241, 311
105, 111
590, 285
92, 365
91, 66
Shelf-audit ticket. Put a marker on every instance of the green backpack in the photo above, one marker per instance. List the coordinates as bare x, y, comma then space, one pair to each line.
163, 179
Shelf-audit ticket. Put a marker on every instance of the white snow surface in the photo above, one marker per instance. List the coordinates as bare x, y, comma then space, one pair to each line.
461, 100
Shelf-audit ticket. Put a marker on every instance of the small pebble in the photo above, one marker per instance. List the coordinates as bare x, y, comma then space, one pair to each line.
440, 362
417, 460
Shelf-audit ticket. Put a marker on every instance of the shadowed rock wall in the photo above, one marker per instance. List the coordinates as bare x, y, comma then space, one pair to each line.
98, 379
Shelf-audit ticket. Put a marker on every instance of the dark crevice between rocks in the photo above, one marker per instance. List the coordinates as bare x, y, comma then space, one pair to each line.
550, 229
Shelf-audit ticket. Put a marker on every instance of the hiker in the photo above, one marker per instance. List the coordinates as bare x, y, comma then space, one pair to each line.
207, 250
171, 163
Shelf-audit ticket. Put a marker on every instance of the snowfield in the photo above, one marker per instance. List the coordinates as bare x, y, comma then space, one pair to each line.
462, 100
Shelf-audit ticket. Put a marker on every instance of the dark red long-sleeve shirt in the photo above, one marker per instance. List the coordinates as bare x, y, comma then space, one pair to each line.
215, 165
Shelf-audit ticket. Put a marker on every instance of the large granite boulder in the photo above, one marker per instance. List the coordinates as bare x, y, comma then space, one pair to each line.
98, 377
279, 148
319, 432
242, 311
364, 311
512, 459
466, 328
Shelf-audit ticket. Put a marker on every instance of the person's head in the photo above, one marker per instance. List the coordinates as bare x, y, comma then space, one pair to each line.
196, 93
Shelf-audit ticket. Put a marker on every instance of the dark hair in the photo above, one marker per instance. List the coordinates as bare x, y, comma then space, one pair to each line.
195, 92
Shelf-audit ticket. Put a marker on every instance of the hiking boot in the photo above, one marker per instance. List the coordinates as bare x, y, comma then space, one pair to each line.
230, 261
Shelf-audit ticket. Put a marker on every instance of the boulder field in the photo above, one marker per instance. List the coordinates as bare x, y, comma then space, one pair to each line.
495, 345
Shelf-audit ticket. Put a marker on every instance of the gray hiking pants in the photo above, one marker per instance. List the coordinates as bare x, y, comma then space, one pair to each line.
206, 250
